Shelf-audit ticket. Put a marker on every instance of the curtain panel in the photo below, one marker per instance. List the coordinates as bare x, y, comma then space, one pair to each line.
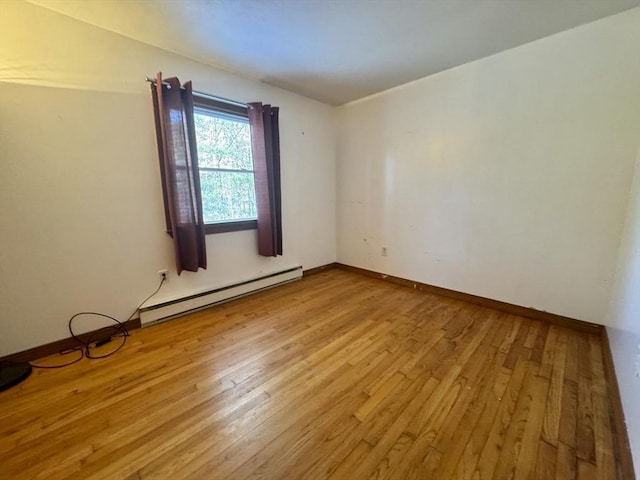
175, 132
265, 148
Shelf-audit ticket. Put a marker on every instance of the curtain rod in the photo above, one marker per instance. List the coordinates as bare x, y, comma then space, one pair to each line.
201, 94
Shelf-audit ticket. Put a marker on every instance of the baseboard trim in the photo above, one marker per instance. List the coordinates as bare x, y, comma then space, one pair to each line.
553, 318
567, 322
66, 343
321, 268
621, 446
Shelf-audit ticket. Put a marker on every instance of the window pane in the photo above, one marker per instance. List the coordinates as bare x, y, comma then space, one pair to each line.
223, 143
227, 196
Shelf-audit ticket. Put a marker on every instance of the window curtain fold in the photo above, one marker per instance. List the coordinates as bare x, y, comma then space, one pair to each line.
177, 150
265, 148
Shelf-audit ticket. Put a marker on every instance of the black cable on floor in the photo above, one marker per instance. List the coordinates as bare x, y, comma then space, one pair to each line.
99, 337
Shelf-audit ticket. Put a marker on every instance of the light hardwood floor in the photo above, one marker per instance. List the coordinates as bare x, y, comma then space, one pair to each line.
335, 376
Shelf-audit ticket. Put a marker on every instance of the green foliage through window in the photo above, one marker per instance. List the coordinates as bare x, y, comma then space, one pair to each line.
226, 167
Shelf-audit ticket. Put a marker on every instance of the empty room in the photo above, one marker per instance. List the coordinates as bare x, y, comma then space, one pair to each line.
319, 239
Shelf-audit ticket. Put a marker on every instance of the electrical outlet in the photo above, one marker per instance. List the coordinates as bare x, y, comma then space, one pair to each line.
384, 251
164, 274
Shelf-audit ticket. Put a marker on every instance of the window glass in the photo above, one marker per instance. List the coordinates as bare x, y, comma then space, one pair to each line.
226, 166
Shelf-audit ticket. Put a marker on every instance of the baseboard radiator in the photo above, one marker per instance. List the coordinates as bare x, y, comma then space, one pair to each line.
167, 310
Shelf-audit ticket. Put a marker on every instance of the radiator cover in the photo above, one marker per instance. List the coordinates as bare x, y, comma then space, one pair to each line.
167, 310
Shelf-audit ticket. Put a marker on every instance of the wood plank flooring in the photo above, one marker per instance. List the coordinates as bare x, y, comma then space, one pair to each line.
336, 376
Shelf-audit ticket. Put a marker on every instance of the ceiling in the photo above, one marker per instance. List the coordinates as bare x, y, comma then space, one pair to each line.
336, 51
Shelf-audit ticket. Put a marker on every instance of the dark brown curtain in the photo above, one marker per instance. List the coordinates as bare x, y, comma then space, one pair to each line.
265, 147
173, 107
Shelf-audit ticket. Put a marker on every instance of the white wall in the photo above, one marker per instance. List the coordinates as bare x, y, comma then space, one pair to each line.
624, 319
506, 178
81, 220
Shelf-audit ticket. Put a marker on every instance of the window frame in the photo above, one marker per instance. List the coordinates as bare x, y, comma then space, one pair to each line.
205, 102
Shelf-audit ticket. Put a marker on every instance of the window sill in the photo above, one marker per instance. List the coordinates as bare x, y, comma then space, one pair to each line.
224, 227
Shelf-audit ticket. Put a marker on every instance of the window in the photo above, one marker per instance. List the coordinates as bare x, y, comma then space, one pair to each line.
240, 186
225, 163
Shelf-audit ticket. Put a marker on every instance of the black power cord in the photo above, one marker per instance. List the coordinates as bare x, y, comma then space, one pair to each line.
106, 335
